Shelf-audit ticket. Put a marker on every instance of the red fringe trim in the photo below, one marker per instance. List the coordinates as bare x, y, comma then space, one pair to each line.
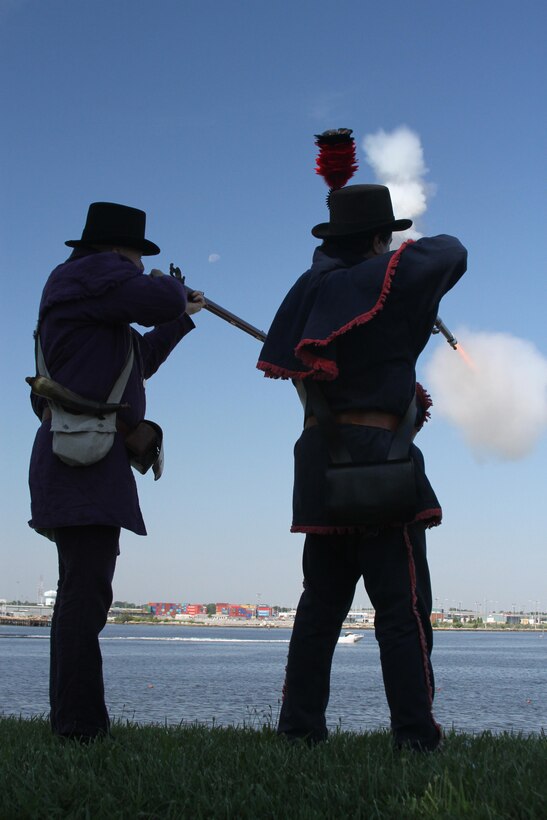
425, 400
358, 320
421, 633
272, 371
433, 517
322, 368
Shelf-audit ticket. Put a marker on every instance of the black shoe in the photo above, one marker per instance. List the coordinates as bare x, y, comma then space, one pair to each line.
83, 739
306, 740
413, 744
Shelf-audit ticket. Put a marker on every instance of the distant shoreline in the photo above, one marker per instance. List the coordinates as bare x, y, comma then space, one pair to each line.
254, 624
346, 627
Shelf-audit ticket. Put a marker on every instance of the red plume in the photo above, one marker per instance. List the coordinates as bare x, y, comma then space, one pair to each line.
336, 161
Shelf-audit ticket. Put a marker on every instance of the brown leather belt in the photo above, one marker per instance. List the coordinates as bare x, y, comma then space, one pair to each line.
121, 426
367, 418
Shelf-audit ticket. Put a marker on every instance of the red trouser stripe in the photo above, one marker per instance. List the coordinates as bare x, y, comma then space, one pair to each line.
421, 633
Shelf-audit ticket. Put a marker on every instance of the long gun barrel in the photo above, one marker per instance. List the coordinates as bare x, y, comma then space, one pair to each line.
221, 312
440, 327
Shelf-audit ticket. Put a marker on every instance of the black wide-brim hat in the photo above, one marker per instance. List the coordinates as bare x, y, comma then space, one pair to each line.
358, 209
108, 223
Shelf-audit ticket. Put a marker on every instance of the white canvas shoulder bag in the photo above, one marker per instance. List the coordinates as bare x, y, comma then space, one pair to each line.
81, 439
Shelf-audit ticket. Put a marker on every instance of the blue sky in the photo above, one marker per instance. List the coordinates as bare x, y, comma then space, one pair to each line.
203, 114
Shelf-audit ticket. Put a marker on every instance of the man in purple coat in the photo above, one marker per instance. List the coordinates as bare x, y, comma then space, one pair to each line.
84, 325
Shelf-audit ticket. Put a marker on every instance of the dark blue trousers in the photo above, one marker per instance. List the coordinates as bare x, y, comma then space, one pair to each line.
396, 576
87, 560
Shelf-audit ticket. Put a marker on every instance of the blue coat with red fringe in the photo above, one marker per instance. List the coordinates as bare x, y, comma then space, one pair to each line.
85, 314
359, 327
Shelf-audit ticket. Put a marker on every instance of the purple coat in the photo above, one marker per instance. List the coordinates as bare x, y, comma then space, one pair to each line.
85, 313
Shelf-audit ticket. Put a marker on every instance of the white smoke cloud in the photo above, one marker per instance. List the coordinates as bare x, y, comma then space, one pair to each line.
397, 156
214, 257
499, 401
397, 160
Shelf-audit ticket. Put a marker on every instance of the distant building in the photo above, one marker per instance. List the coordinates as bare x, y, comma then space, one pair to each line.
195, 609
497, 618
263, 612
49, 597
169, 609
165, 609
360, 616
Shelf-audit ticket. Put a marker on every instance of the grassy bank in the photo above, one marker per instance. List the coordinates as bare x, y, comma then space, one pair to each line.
196, 772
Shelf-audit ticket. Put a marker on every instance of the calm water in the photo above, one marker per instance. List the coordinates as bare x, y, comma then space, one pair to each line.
234, 676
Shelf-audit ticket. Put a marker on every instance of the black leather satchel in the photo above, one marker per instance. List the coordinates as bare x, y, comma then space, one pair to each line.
145, 447
372, 493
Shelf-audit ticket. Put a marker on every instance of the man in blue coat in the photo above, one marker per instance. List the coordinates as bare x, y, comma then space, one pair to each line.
356, 323
84, 325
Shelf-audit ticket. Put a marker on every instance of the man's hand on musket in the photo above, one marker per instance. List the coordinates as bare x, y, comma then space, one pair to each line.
196, 300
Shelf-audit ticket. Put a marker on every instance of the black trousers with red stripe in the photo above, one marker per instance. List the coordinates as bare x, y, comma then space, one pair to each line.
396, 576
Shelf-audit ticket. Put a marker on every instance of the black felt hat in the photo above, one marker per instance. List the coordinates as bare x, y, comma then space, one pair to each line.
358, 209
110, 224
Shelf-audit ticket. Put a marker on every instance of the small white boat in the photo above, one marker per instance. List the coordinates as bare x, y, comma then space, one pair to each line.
349, 637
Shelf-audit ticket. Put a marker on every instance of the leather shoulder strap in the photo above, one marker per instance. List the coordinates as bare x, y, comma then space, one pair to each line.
120, 384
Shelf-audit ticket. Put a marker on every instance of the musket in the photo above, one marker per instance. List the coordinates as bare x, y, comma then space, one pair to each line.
438, 327
221, 312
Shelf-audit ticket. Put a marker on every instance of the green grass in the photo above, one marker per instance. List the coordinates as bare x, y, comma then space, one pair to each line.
197, 772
